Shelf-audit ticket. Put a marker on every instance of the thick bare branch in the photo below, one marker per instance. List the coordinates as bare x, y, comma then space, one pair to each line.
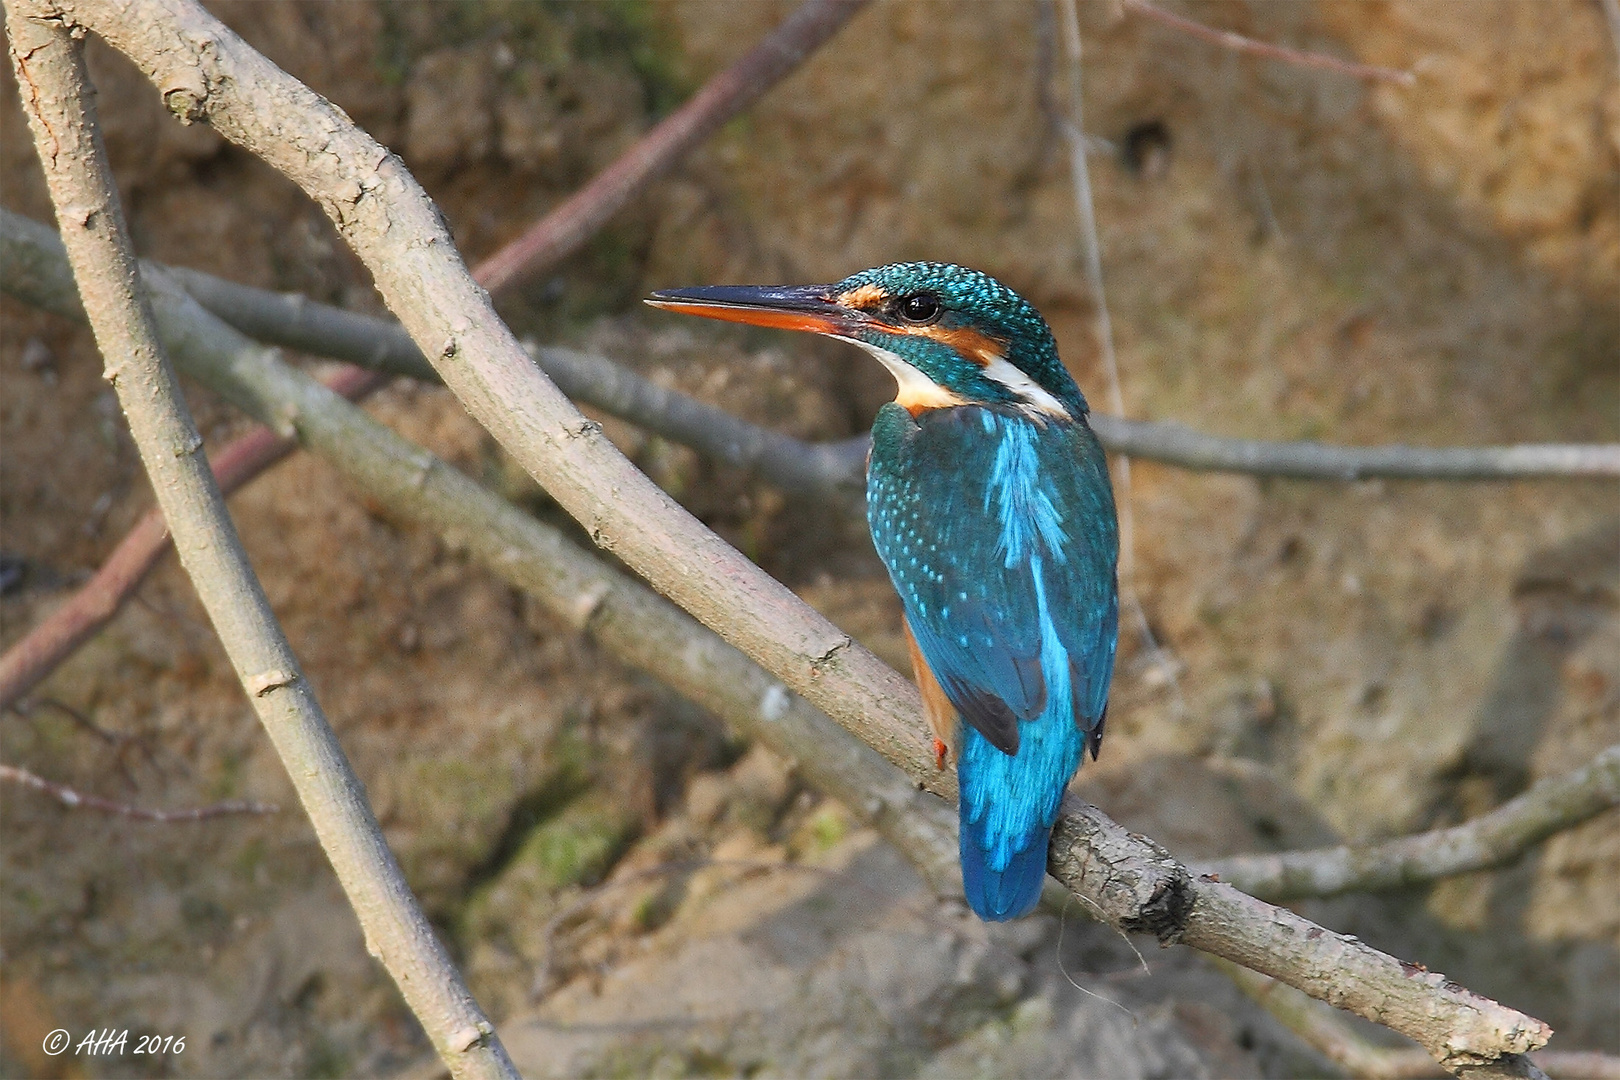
205, 71
1127, 880
58, 100
1469, 1035
1226, 39
568, 226
1325, 1031
73, 800
1490, 840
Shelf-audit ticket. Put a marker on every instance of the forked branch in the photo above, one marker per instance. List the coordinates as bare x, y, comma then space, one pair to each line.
58, 99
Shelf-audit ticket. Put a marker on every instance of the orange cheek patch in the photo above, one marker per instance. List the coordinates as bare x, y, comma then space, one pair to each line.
973, 344
776, 320
863, 296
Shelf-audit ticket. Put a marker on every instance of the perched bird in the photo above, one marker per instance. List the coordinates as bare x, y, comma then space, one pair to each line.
989, 502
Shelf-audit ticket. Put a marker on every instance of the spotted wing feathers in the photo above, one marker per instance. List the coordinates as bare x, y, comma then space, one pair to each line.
965, 517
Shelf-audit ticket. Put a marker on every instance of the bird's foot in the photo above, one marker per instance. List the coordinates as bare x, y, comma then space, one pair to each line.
940, 750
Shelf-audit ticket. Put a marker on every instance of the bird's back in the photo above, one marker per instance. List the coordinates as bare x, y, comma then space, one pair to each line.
998, 530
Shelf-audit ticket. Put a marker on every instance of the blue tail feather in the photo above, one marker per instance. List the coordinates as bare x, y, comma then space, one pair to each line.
998, 895
1009, 803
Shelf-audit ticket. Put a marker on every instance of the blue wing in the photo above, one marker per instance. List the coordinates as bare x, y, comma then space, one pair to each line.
999, 534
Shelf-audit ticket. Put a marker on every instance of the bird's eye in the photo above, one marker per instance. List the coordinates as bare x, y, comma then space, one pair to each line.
920, 308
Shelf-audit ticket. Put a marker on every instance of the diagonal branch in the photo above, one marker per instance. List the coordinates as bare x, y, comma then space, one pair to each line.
1490, 840
1326, 1032
57, 97
1226, 39
1127, 880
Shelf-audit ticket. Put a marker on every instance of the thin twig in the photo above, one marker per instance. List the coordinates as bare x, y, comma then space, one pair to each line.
1226, 39
1128, 881
57, 636
1091, 247
1174, 444
48, 60
120, 743
73, 800
1103, 326
1495, 839
1326, 1033
80, 720
568, 226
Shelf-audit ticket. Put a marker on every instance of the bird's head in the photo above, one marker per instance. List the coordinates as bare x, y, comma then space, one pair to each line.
950, 335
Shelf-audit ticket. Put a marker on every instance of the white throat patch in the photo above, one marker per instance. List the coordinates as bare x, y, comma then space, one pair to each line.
916, 390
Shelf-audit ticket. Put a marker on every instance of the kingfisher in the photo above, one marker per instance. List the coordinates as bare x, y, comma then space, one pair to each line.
989, 502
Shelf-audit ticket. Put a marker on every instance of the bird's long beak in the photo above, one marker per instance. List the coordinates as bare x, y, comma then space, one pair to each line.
781, 307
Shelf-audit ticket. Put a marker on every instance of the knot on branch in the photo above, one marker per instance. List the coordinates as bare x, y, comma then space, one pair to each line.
818, 664
464, 1039
186, 95
582, 428
1129, 881
1164, 914
265, 681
